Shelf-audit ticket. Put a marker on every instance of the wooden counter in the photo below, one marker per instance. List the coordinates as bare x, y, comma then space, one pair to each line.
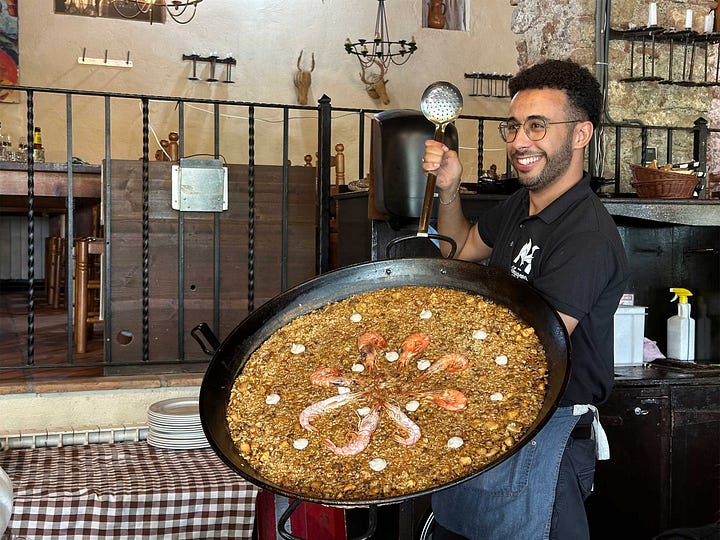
50, 186
669, 243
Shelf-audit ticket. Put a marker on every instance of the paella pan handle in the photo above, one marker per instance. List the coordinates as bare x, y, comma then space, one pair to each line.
285, 517
395, 241
207, 339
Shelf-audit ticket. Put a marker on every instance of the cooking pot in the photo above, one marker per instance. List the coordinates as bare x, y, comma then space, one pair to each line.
232, 354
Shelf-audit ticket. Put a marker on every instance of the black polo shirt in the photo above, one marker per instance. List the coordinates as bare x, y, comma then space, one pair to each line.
572, 254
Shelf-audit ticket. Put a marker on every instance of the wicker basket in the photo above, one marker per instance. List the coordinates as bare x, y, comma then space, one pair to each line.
653, 183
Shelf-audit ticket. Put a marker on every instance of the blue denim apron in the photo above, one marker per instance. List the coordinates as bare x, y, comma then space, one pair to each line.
515, 498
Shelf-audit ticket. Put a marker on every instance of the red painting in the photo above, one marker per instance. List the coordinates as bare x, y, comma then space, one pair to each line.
8, 50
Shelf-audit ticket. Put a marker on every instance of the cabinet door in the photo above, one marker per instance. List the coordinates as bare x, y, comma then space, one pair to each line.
695, 455
630, 499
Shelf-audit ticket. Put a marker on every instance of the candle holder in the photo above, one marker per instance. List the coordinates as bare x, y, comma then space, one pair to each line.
213, 60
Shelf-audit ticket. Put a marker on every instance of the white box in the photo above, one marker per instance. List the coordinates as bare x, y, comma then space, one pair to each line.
629, 335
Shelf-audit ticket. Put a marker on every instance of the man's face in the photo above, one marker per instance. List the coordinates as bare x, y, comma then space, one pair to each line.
539, 163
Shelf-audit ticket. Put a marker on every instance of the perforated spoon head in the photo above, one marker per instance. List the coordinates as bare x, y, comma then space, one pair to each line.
441, 103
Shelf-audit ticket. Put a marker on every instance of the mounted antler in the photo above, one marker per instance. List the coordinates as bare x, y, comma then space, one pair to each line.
375, 84
303, 79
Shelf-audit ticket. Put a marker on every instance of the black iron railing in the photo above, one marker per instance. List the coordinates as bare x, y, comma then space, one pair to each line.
620, 144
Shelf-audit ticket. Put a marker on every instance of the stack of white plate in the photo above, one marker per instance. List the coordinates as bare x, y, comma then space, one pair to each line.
175, 424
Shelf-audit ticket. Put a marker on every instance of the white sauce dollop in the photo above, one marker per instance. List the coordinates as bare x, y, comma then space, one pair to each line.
423, 364
497, 396
363, 411
391, 356
358, 368
272, 399
455, 442
377, 464
501, 360
343, 390
425, 314
412, 406
479, 334
300, 444
356, 317
297, 348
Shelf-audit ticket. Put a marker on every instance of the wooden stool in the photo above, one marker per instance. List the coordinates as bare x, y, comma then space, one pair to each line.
88, 289
54, 270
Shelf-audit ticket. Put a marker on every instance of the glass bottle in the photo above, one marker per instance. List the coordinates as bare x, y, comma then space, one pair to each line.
38, 150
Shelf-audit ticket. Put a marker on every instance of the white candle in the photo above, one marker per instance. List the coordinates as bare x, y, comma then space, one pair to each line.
709, 22
652, 14
688, 19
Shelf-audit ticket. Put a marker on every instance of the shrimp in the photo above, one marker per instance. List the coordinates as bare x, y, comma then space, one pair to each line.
368, 345
360, 439
323, 407
452, 363
449, 399
329, 377
413, 345
403, 422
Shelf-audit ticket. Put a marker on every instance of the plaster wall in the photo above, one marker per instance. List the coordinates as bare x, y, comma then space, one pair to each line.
266, 37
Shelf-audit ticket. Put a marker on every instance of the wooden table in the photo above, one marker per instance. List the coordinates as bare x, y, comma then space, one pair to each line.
126, 490
50, 183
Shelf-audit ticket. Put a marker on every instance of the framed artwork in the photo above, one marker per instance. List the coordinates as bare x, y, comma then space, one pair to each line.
9, 50
113, 9
446, 14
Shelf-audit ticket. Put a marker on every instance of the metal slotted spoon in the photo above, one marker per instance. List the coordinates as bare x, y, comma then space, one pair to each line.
441, 103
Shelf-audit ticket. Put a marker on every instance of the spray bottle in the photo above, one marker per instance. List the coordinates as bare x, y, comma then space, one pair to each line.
681, 328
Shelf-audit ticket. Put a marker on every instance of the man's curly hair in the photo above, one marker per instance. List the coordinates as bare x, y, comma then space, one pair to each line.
580, 86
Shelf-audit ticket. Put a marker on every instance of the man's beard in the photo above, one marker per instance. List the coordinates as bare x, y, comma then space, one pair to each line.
555, 166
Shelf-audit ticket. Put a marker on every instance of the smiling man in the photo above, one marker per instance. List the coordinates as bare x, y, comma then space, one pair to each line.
555, 234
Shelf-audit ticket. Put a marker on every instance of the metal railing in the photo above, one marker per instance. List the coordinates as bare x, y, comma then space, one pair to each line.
623, 140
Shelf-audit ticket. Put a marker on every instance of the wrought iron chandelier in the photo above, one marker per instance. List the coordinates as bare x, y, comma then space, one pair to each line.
181, 11
381, 48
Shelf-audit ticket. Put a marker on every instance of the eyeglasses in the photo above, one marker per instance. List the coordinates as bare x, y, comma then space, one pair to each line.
534, 128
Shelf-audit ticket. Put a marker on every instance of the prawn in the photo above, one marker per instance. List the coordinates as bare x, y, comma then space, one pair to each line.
329, 377
368, 344
323, 407
360, 439
413, 345
403, 422
452, 363
449, 398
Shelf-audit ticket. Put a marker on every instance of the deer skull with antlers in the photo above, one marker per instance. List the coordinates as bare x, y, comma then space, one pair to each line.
375, 84
303, 79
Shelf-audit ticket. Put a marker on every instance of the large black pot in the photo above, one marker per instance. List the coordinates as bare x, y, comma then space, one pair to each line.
230, 357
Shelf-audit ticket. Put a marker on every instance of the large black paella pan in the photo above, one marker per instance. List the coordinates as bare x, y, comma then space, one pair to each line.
232, 354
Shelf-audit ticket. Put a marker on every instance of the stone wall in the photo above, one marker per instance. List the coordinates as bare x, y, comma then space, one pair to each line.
566, 29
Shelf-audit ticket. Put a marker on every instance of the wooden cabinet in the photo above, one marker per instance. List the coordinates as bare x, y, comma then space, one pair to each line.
664, 469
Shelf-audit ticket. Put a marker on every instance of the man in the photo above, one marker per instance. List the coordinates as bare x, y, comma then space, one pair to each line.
555, 234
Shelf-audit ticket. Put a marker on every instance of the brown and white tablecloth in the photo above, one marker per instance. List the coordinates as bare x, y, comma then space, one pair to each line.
126, 490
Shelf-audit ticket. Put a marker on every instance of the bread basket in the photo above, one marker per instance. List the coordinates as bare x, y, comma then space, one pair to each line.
653, 183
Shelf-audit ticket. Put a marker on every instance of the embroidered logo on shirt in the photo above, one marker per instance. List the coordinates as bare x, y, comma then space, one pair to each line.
522, 263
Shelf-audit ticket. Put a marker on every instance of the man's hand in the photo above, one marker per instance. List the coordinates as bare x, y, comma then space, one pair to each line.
442, 161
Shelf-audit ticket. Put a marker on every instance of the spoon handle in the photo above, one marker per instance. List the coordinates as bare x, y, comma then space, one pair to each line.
430, 189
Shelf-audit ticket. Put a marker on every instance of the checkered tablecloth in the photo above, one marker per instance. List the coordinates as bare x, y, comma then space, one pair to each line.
128, 491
